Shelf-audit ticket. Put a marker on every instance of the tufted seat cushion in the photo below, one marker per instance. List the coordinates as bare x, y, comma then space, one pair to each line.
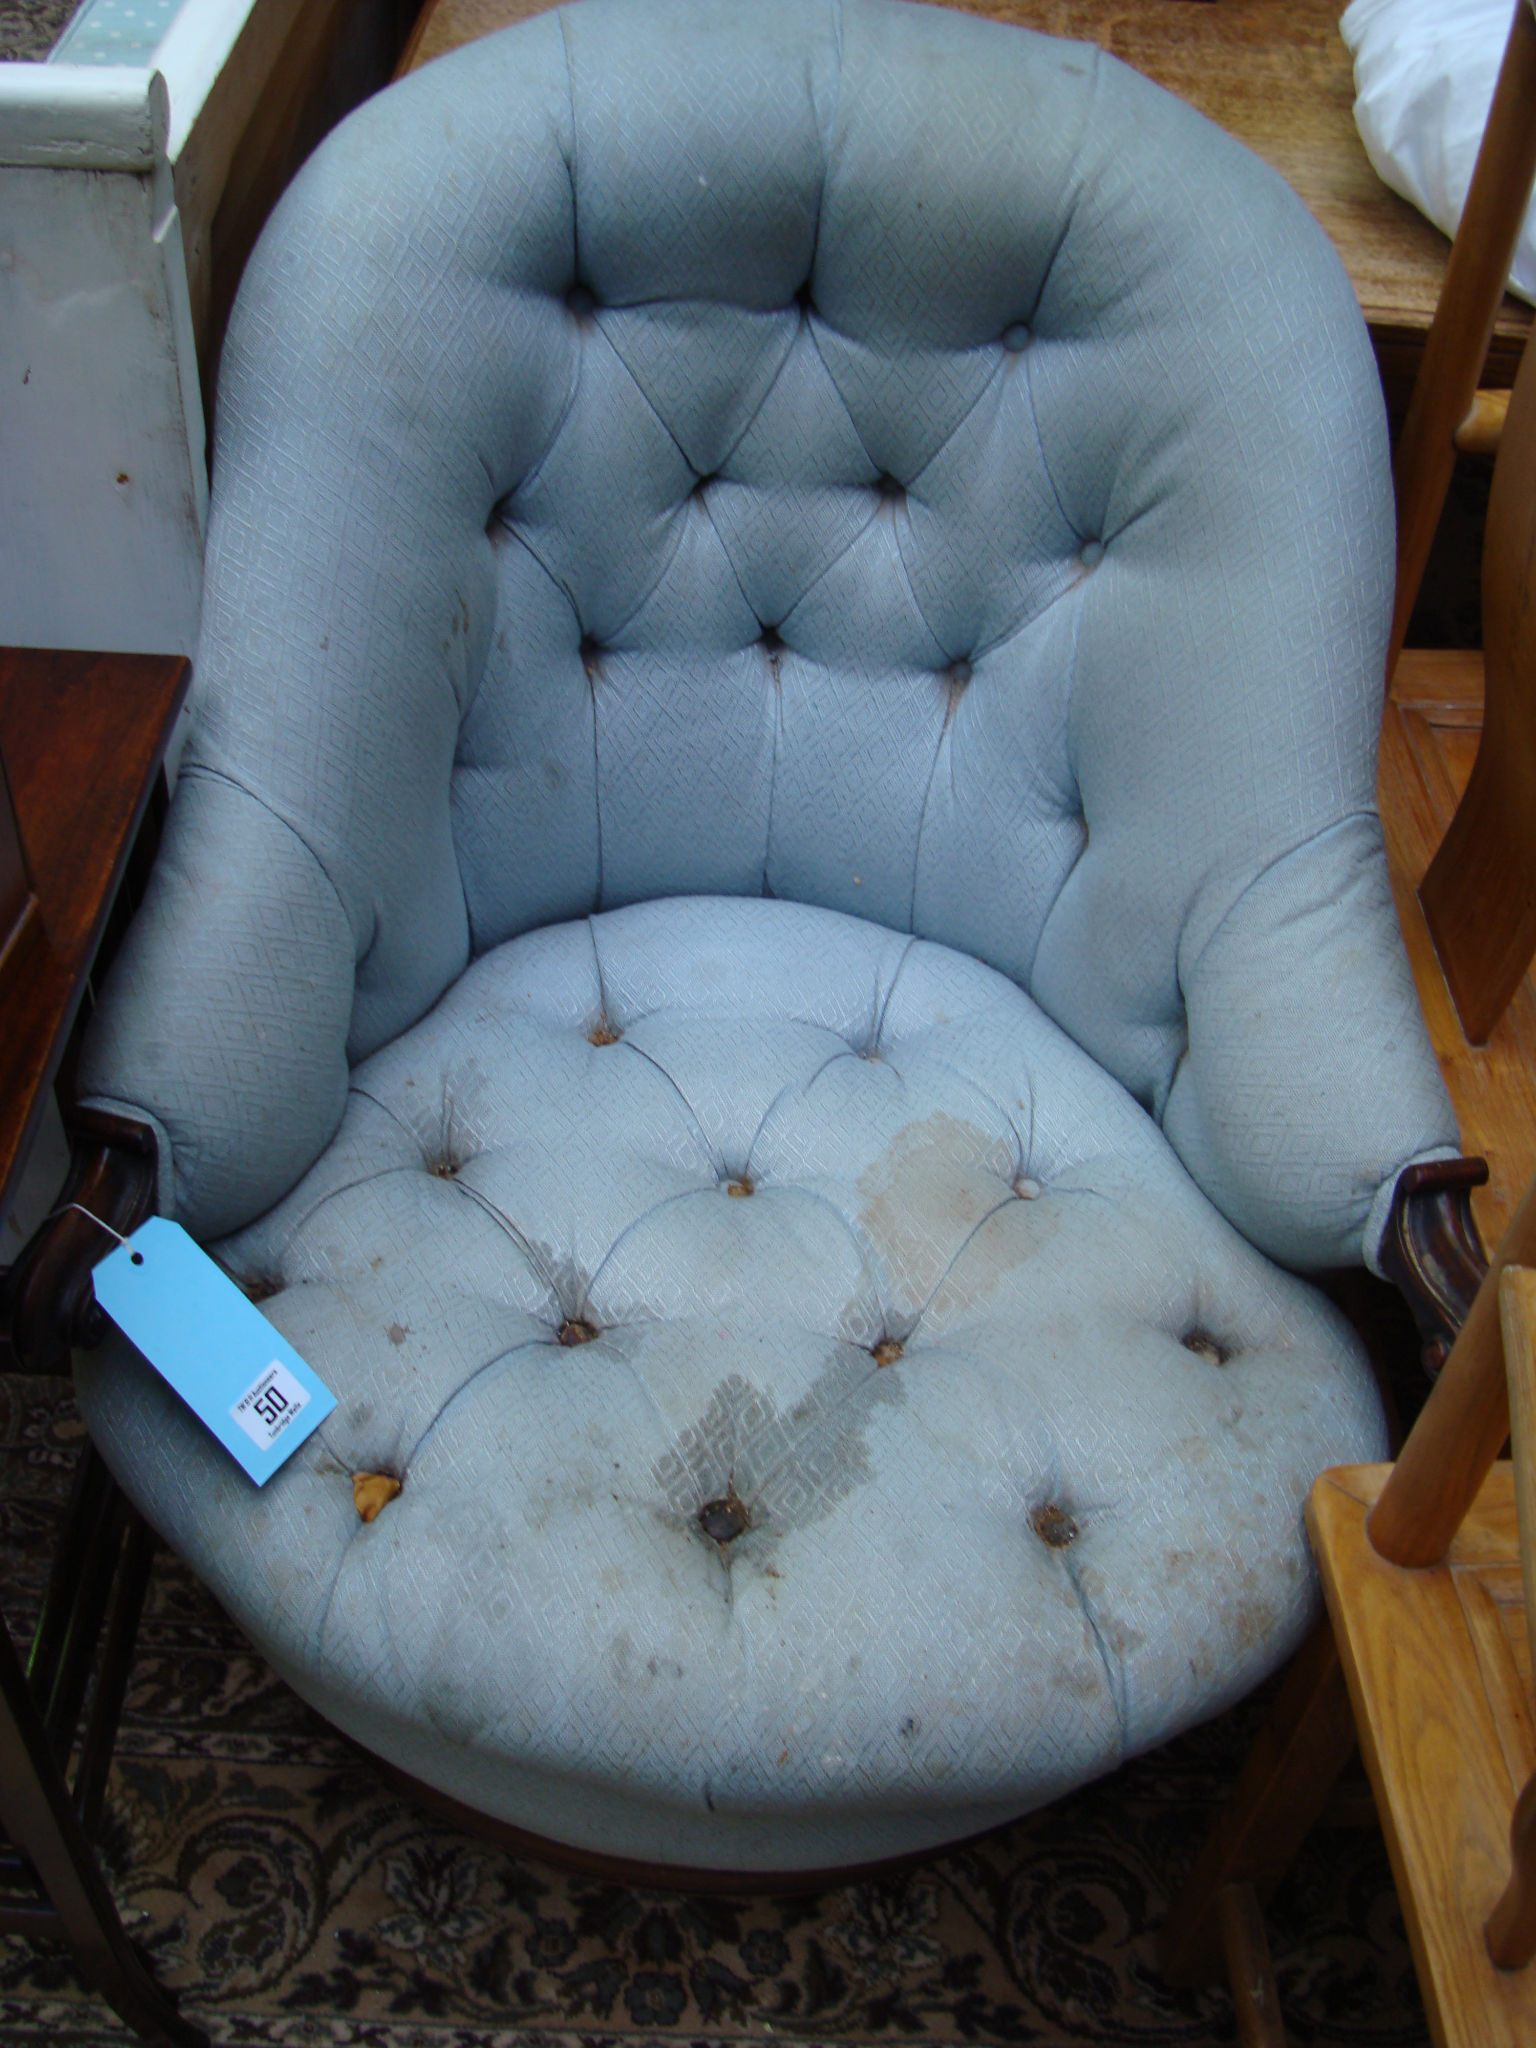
830, 1418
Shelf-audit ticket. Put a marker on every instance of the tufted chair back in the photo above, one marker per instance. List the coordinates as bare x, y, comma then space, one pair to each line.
848, 452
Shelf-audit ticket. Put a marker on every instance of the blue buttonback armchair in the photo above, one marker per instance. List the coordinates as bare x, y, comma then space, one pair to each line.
773, 945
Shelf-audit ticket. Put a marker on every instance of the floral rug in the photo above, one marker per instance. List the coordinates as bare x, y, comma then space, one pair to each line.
291, 1898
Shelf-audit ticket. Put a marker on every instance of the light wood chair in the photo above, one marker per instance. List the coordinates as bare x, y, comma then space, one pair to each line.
1448, 413
1427, 1654
1432, 1633
1479, 893
1457, 793
1459, 808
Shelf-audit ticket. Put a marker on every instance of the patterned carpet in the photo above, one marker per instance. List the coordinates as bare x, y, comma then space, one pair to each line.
30, 28
292, 1899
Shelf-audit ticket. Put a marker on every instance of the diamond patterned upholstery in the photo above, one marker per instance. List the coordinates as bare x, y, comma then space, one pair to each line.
672, 456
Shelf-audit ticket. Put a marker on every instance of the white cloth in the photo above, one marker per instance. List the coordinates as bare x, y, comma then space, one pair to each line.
1424, 79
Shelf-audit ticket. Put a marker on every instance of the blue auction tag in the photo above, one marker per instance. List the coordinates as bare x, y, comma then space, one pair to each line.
216, 1348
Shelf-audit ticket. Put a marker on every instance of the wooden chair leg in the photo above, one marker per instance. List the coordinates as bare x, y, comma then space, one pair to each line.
1479, 893
1245, 1945
1291, 1769
36, 1814
1463, 1425
1511, 1930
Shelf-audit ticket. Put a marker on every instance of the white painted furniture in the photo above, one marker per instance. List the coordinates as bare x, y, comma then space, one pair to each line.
112, 177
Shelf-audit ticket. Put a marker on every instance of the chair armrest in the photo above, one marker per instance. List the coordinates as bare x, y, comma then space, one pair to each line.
52, 1306
1431, 1250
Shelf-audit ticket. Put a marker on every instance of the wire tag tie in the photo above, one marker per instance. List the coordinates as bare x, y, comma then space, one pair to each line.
136, 1258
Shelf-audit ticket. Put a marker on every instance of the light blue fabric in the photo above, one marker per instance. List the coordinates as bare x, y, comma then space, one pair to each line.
524, 440
906, 1644
681, 454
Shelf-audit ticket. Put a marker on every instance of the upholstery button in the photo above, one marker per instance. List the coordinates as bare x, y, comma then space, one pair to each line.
580, 302
445, 1168
887, 1351
372, 1491
803, 298
1205, 1346
1026, 1189
745, 1186
603, 1033
1054, 1526
957, 675
574, 1331
889, 487
773, 646
725, 1520
1016, 338
591, 657
1092, 554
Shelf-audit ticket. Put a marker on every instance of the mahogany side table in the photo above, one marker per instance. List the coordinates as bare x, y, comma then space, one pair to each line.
82, 737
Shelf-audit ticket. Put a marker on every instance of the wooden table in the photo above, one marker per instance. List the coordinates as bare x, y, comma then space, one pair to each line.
82, 737
1274, 73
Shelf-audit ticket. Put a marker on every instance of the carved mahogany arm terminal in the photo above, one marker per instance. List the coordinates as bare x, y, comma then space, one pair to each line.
1431, 1250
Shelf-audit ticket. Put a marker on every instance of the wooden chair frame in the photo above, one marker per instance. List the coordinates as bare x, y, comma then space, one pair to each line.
1479, 894
1406, 1517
